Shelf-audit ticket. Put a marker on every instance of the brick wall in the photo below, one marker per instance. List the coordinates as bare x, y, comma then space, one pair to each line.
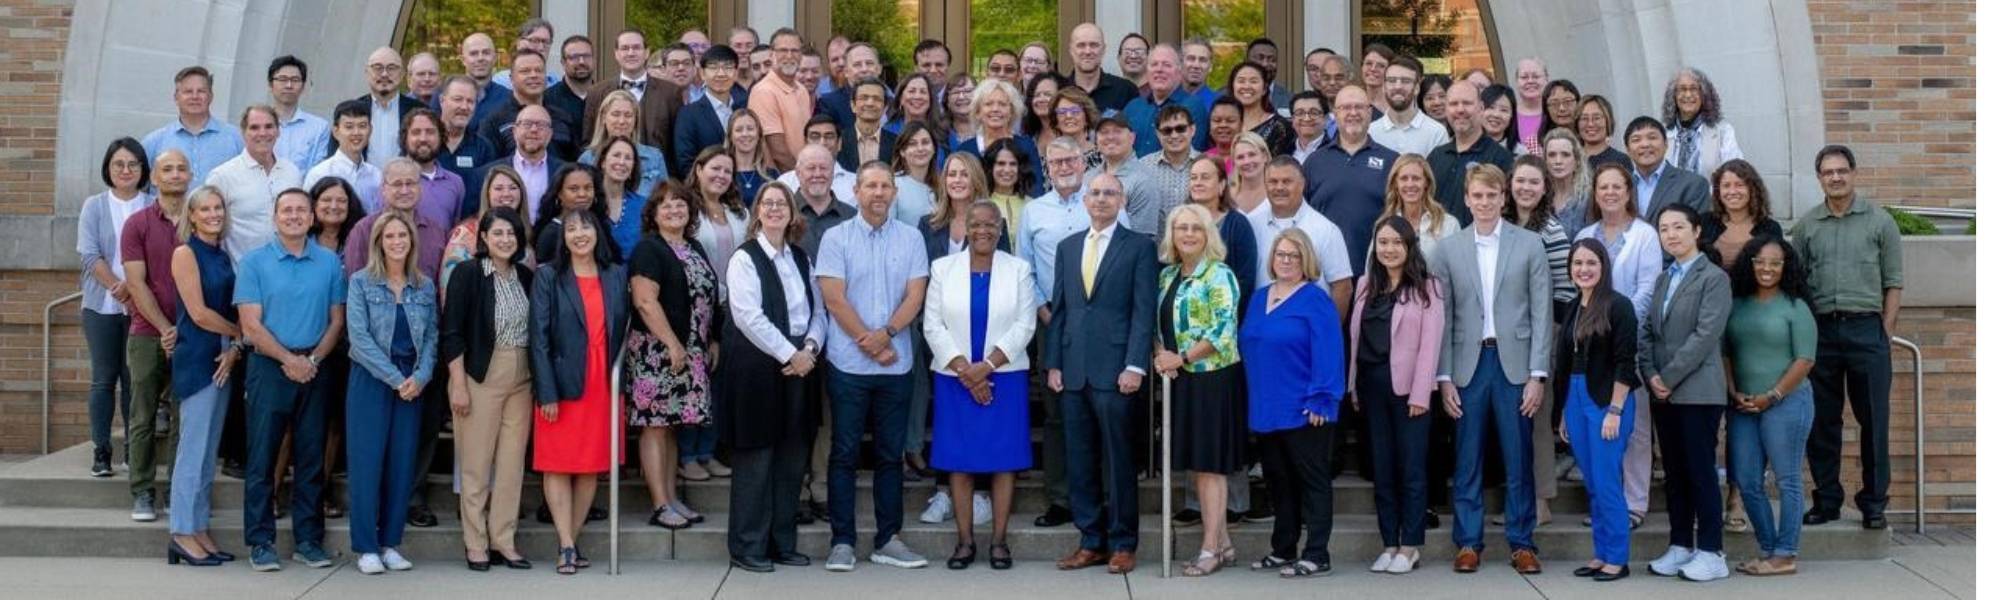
1897, 78
32, 37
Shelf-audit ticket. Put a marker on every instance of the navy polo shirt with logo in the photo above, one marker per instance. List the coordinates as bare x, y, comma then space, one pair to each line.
1348, 189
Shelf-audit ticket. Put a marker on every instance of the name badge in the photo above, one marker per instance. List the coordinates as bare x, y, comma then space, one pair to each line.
465, 162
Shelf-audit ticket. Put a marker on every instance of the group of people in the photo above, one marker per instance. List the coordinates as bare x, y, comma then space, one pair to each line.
1296, 269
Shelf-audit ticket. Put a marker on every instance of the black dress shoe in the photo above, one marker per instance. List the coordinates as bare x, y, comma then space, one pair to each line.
596, 514
497, 557
421, 516
792, 559
1057, 516
803, 517
478, 565
1609, 576
1586, 571
1187, 516
819, 511
1874, 522
1430, 520
1821, 517
751, 564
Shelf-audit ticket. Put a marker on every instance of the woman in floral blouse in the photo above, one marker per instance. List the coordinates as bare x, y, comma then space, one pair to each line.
1196, 350
678, 301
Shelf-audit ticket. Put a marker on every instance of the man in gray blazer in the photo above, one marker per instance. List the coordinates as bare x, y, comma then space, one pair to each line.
1496, 360
1656, 184
1101, 323
1680, 359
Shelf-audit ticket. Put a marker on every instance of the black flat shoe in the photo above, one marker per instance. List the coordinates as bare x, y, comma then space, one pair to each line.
751, 564
1821, 517
596, 514
478, 565
1875, 522
999, 557
496, 557
422, 517
1057, 516
792, 559
1609, 576
961, 557
1431, 520
1586, 571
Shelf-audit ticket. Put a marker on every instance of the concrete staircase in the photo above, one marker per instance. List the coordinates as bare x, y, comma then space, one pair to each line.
50, 506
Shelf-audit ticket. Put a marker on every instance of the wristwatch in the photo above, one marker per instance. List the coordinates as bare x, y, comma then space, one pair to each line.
312, 359
1615, 409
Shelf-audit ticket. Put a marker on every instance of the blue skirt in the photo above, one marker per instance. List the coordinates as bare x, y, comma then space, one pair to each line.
970, 438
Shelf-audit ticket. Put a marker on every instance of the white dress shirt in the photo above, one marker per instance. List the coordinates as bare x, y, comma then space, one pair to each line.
365, 178
1488, 249
746, 303
1328, 243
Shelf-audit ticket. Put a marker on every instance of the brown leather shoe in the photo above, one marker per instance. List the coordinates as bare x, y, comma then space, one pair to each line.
1525, 562
1122, 562
1081, 558
1467, 562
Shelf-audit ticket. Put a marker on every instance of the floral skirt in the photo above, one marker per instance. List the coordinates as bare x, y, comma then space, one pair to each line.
661, 397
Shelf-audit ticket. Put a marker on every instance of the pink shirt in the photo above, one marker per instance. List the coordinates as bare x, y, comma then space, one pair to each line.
782, 108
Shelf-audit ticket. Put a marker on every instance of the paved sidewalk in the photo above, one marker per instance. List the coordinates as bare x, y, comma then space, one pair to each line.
1912, 572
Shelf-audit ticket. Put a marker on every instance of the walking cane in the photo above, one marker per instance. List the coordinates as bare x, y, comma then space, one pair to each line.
1166, 478
617, 448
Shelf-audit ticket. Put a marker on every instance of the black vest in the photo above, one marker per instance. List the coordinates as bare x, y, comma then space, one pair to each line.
773, 288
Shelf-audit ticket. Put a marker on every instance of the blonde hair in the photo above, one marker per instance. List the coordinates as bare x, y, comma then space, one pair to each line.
1392, 204
185, 230
486, 190
599, 136
1211, 249
942, 214
992, 86
378, 262
1253, 141
1308, 259
1579, 174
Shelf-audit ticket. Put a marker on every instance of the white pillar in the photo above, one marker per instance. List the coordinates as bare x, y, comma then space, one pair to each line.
1117, 18
570, 18
1329, 24
767, 16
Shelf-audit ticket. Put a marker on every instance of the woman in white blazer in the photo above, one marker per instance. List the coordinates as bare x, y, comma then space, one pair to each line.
979, 313
1697, 138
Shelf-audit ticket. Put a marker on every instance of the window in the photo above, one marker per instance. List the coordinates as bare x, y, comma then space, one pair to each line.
1228, 25
889, 25
1009, 24
664, 20
1448, 36
439, 26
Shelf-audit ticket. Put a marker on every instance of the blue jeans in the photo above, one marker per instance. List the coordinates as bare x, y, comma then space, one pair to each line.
1103, 477
274, 403
194, 459
382, 436
1775, 437
1603, 464
697, 442
1490, 398
881, 404
109, 380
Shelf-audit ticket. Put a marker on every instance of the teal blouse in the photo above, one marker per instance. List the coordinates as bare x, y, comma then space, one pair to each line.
1205, 309
1764, 337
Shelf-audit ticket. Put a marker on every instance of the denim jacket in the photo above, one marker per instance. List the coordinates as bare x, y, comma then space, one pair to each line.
371, 325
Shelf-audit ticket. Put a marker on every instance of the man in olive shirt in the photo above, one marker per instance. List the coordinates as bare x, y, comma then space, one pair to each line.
1853, 256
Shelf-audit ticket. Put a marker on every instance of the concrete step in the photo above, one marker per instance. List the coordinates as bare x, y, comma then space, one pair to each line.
101, 532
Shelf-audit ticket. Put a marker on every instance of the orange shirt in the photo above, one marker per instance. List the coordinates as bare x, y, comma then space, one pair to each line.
782, 108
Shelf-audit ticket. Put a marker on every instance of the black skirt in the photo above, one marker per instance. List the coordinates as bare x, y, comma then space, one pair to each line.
1211, 421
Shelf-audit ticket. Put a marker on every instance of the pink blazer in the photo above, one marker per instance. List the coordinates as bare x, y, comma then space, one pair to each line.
1416, 335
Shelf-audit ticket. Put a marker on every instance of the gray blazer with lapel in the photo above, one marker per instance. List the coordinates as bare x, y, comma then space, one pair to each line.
1678, 186
1094, 338
1683, 342
1521, 318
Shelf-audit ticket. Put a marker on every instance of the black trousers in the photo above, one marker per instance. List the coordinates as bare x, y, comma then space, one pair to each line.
764, 497
435, 397
1686, 438
1852, 371
1298, 469
1398, 448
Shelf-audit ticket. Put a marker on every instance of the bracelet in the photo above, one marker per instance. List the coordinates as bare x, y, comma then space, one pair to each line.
1615, 409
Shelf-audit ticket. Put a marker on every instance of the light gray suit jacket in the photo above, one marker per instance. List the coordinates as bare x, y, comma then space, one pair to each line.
1521, 321
1678, 186
1681, 338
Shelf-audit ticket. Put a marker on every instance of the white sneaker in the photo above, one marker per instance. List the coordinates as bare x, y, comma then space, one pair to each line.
1404, 563
369, 564
939, 509
1670, 564
982, 509
394, 560
1706, 566
1382, 562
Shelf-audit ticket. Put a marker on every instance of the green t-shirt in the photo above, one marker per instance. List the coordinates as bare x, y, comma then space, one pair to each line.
1764, 337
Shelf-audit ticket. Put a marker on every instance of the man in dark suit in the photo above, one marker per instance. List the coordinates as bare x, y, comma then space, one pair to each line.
386, 105
701, 123
499, 126
870, 97
860, 61
1100, 326
659, 99
1656, 184
530, 157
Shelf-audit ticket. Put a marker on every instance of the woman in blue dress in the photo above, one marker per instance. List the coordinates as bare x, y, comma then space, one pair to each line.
979, 314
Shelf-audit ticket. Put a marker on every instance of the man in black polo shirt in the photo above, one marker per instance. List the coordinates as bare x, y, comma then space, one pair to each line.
1086, 51
1468, 146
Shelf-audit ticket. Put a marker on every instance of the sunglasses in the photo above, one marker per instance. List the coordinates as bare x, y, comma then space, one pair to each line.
1173, 129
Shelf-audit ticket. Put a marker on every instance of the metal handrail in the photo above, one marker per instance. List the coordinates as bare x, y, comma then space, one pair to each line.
48, 361
1917, 366
1938, 212
1166, 477
617, 448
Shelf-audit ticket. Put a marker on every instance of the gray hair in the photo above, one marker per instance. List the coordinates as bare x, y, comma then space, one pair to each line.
1711, 102
1013, 94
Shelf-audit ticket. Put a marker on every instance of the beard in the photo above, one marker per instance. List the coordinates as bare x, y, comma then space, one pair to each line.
1399, 106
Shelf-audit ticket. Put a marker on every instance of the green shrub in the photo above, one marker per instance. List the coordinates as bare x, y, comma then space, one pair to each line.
1910, 224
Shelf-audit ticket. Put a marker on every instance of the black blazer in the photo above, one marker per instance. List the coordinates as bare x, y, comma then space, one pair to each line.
404, 104
1096, 338
850, 148
695, 129
467, 326
653, 258
1608, 358
557, 341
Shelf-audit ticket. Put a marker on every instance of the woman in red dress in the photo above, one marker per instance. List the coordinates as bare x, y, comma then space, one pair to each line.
579, 312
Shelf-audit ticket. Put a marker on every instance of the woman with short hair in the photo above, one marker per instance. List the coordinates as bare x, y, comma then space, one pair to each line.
1196, 351
1294, 359
677, 297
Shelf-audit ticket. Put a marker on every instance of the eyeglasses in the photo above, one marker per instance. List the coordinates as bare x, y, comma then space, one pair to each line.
1173, 129
387, 68
1310, 113
1065, 161
1282, 256
1003, 69
578, 57
532, 125
1069, 111
1400, 80
288, 80
124, 165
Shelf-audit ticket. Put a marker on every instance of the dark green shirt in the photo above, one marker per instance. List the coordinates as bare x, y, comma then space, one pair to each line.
1849, 258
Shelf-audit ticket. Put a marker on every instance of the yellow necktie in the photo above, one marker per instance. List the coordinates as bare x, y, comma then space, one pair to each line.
1090, 263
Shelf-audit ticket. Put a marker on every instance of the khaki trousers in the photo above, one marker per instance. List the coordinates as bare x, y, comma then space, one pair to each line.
492, 441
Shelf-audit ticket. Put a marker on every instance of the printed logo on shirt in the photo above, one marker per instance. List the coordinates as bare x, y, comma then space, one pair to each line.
1375, 162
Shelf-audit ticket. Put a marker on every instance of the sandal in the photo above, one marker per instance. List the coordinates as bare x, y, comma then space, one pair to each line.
1000, 557
566, 561
961, 557
1302, 568
1270, 562
1764, 568
682, 509
667, 518
1203, 565
578, 559
1229, 556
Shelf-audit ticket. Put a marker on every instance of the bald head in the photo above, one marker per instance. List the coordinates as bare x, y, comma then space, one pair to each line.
1350, 112
815, 171
399, 184
478, 55
1104, 199
1086, 47
385, 72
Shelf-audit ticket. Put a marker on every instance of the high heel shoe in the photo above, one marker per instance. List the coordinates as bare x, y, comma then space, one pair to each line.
495, 556
176, 555
961, 557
